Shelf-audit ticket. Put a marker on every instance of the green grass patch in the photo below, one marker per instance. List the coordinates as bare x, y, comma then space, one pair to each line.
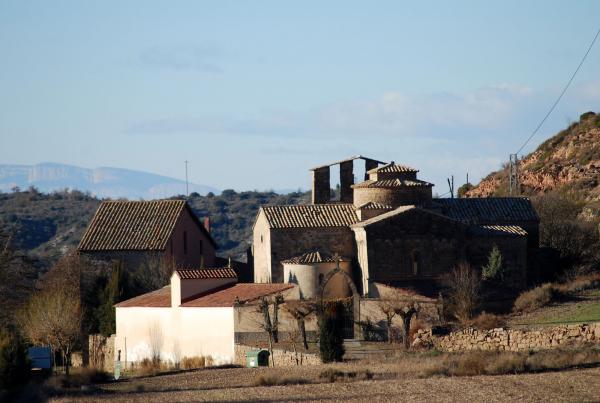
583, 312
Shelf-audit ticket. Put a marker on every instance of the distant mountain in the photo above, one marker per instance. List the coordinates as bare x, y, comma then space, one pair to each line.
100, 182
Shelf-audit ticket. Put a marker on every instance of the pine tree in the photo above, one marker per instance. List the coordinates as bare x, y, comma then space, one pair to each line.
493, 269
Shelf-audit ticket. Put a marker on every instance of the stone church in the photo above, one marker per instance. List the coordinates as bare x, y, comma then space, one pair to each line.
389, 230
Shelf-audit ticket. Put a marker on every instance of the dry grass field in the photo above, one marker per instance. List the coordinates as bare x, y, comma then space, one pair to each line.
394, 380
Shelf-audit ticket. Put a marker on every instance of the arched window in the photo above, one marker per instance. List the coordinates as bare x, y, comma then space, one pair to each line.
415, 258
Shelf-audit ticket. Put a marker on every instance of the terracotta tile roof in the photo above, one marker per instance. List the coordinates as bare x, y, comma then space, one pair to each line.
134, 225
398, 211
374, 206
501, 230
391, 183
221, 297
313, 257
224, 272
392, 168
310, 216
160, 298
244, 292
493, 210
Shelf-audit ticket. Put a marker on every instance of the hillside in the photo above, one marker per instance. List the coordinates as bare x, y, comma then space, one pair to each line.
100, 182
45, 226
567, 163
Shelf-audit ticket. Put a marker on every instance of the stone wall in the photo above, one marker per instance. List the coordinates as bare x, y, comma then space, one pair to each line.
102, 352
501, 339
282, 358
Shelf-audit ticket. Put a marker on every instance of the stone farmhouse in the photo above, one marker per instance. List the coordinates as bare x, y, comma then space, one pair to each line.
166, 232
389, 230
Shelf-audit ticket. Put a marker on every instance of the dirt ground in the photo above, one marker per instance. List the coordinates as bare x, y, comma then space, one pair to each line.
389, 384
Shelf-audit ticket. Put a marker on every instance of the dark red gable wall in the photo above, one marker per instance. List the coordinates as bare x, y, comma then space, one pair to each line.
194, 235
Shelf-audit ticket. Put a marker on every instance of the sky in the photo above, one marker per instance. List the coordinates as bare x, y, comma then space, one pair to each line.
254, 93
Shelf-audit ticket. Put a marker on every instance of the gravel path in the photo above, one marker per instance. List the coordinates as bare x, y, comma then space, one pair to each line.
234, 385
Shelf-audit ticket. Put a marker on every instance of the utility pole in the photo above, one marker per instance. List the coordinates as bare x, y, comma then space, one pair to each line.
513, 175
451, 186
187, 191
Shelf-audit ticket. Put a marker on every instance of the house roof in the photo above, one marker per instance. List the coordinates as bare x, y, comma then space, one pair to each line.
501, 230
222, 297
135, 225
225, 272
385, 216
374, 206
160, 298
493, 210
310, 216
313, 257
392, 167
391, 183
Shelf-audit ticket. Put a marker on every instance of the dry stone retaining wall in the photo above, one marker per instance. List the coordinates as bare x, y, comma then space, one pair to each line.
282, 358
501, 339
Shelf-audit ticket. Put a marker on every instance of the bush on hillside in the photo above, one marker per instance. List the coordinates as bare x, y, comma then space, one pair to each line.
536, 298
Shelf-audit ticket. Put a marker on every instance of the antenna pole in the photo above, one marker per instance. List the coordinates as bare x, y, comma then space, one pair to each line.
451, 186
513, 175
187, 191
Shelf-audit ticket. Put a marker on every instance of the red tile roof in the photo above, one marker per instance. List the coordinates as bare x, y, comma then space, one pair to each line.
244, 292
310, 215
222, 297
224, 272
135, 225
313, 257
392, 168
160, 298
392, 183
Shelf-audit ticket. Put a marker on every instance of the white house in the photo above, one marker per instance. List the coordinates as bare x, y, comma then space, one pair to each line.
191, 317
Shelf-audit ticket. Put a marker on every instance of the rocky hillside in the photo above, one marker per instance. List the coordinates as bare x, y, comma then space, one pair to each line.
567, 163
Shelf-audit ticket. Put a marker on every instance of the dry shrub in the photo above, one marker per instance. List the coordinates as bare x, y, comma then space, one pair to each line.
196, 362
82, 377
536, 298
581, 283
274, 380
557, 359
334, 375
464, 286
487, 321
505, 362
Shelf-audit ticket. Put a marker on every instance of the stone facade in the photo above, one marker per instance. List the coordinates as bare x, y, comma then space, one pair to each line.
101, 352
281, 358
392, 196
501, 339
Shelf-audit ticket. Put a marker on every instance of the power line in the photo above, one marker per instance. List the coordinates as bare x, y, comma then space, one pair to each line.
562, 93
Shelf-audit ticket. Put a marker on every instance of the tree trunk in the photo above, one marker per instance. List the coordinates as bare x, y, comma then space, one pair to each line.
302, 328
389, 330
271, 349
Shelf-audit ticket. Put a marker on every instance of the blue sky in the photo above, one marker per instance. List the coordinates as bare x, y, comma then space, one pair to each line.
255, 93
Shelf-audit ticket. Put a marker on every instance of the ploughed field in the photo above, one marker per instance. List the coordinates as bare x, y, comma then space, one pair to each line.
388, 381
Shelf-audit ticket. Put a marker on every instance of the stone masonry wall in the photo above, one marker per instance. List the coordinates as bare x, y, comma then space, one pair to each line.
501, 339
282, 358
102, 352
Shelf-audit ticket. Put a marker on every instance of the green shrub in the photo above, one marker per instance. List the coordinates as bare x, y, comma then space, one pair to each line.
331, 339
536, 298
493, 269
14, 363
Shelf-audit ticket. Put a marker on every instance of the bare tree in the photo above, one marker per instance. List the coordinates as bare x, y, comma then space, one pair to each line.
300, 310
388, 307
270, 326
464, 284
406, 313
53, 317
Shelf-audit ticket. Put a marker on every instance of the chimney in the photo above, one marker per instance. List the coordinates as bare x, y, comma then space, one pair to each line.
207, 224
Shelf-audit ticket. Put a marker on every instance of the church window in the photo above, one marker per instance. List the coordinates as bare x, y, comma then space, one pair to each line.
415, 262
185, 242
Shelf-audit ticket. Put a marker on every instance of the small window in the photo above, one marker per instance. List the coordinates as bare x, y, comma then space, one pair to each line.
185, 242
261, 239
321, 278
200, 246
415, 258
